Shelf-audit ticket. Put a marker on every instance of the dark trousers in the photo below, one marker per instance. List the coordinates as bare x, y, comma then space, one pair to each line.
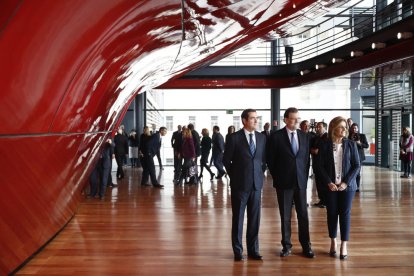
99, 175
120, 163
148, 170
289, 54
218, 163
339, 204
321, 188
285, 198
159, 158
178, 168
203, 164
176, 160
406, 167
239, 201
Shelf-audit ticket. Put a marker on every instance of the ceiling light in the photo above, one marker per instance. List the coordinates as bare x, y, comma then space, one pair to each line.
337, 60
304, 72
280, 14
294, 5
404, 35
378, 45
356, 53
319, 66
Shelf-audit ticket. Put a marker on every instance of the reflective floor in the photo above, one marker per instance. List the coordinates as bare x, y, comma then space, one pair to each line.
186, 231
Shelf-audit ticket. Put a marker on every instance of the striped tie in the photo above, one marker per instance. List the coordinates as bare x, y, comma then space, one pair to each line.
251, 145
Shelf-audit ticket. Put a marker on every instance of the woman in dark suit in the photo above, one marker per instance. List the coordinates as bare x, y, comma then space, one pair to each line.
337, 165
362, 143
205, 152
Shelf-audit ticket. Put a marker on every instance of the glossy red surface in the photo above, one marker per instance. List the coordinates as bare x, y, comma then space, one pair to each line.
68, 69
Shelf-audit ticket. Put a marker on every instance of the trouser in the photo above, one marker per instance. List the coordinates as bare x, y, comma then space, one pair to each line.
285, 198
148, 170
339, 204
218, 163
159, 159
239, 201
289, 54
120, 163
407, 167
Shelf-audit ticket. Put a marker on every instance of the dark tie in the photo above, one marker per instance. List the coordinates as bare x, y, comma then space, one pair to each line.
251, 144
294, 144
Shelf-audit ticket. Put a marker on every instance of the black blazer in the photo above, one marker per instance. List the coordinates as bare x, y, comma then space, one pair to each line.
364, 144
218, 144
287, 169
325, 166
243, 169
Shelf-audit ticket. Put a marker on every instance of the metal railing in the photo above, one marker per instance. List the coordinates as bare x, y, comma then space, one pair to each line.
331, 33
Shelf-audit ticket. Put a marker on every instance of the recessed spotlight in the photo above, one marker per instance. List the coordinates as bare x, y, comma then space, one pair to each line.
404, 35
356, 53
337, 60
304, 72
294, 5
280, 15
378, 45
319, 66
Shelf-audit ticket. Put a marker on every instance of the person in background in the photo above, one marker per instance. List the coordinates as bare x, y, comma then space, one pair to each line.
288, 162
147, 150
157, 144
218, 150
121, 151
320, 137
245, 162
266, 130
205, 152
102, 171
230, 131
176, 141
189, 155
406, 151
362, 143
133, 148
337, 165
288, 49
349, 122
196, 140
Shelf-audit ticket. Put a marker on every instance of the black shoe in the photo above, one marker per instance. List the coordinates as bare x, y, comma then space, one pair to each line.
212, 175
256, 257
200, 176
238, 258
285, 252
113, 185
145, 184
332, 253
158, 186
322, 206
308, 253
343, 257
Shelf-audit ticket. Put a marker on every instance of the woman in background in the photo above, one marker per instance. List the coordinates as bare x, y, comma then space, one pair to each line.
205, 152
406, 151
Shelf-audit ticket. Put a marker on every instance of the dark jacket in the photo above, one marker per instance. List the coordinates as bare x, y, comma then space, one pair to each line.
196, 140
288, 170
121, 144
244, 170
364, 144
218, 144
205, 146
325, 165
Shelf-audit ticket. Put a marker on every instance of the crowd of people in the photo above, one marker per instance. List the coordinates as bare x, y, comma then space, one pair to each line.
335, 153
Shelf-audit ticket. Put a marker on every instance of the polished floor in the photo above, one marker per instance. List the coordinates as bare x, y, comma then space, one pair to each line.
186, 231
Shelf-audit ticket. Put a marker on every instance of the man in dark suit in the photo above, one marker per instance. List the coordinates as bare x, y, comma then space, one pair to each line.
176, 141
245, 160
157, 144
196, 140
121, 151
288, 162
217, 152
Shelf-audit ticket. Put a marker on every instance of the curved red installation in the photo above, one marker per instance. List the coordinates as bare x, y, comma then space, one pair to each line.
68, 69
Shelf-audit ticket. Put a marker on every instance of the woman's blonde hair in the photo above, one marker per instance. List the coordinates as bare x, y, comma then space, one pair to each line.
187, 133
334, 123
205, 132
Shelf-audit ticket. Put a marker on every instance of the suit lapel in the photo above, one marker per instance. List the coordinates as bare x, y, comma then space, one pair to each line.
287, 140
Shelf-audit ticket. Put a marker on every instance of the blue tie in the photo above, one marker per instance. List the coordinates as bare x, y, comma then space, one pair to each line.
294, 144
251, 145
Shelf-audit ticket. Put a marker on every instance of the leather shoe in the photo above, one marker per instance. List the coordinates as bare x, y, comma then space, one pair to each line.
343, 257
332, 253
238, 258
158, 186
285, 252
256, 257
308, 253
